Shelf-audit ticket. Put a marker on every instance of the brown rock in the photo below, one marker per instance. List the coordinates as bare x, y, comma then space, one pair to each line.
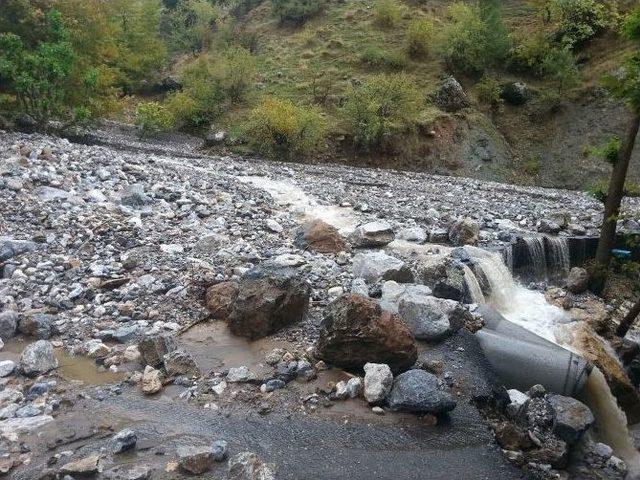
268, 299
219, 299
578, 280
154, 347
356, 330
321, 237
511, 437
195, 459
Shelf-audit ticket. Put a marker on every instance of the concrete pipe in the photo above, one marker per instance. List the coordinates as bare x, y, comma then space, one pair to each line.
522, 359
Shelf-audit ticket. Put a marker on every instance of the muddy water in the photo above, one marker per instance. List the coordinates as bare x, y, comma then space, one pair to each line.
214, 347
70, 367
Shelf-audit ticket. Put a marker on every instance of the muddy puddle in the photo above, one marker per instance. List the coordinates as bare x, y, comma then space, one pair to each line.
72, 368
215, 348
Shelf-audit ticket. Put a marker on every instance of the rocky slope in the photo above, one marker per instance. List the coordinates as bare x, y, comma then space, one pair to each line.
104, 248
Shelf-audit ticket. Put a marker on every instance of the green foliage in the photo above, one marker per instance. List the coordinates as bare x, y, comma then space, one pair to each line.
473, 39
625, 84
236, 73
488, 90
579, 20
192, 25
387, 13
539, 56
295, 11
378, 58
379, 110
280, 128
599, 190
607, 151
153, 118
201, 98
419, 37
532, 165
36, 77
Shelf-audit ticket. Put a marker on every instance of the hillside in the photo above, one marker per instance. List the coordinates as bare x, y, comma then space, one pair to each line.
532, 144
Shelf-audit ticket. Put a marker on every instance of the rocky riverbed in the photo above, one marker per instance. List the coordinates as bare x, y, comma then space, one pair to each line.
165, 313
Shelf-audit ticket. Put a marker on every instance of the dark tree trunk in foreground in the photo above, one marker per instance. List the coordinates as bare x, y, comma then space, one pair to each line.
627, 321
612, 205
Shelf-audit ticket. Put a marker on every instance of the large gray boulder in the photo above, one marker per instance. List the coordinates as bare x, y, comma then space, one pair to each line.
195, 459
38, 325
578, 280
372, 234
450, 97
8, 324
426, 316
445, 277
572, 418
269, 298
419, 391
465, 231
375, 266
38, 358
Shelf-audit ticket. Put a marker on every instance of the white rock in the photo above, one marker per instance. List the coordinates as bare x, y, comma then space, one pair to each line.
6, 368
378, 381
274, 226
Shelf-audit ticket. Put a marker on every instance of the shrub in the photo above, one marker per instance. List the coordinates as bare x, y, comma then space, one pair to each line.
152, 118
378, 58
488, 90
281, 128
607, 151
236, 73
192, 24
295, 11
532, 166
419, 37
600, 190
201, 99
382, 108
387, 13
580, 20
471, 41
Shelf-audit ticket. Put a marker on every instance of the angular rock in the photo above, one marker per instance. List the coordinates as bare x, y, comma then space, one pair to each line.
38, 358
220, 450
268, 300
375, 266
450, 97
464, 232
413, 234
445, 277
378, 381
419, 391
37, 325
356, 331
135, 196
195, 459
6, 368
84, 466
426, 316
220, 298
179, 362
578, 280
8, 324
151, 380
248, 466
572, 418
321, 237
124, 440
153, 348
372, 234
240, 375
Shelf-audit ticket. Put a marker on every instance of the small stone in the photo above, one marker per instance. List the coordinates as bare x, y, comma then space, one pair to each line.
378, 410
354, 387
84, 466
38, 358
248, 466
240, 375
220, 450
151, 380
195, 459
6, 368
378, 380
124, 440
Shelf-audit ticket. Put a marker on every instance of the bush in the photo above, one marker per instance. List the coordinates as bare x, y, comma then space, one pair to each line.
419, 37
471, 40
295, 11
607, 151
236, 73
192, 25
201, 99
580, 20
387, 13
489, 91
281, 128
378, 58
532, 166
379, 110
152, 118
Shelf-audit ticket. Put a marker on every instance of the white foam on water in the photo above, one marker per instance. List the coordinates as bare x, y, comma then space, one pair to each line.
289, 195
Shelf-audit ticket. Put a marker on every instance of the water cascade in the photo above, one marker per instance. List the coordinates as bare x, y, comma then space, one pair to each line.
536, 252
558, 259
475, 292
529, 309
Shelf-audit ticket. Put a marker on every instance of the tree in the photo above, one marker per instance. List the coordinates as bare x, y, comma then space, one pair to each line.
36, 76
628, 320
626, 86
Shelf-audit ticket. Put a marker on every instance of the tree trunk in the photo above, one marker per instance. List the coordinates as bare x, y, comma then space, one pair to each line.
612, 204
627, 321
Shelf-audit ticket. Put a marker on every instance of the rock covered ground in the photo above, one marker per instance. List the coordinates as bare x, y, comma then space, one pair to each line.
105, 248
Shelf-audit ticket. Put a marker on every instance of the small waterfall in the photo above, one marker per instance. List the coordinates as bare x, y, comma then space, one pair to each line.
475, 292
611, 422
558, 259
537, 257
507, 256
